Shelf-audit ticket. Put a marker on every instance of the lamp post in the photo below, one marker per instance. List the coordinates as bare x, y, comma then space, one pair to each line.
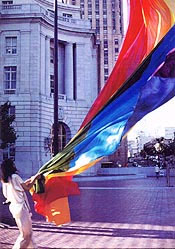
55, 126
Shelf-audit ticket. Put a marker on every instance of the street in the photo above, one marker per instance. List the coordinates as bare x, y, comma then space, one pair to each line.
137, 213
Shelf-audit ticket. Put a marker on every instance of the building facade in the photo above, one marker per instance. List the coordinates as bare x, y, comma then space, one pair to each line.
170, 132
27, 75
107, 19
120, 157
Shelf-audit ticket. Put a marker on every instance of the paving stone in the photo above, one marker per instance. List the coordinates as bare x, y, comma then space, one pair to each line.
136, 213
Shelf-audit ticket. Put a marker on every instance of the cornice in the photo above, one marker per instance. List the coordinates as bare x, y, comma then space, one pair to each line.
46, 3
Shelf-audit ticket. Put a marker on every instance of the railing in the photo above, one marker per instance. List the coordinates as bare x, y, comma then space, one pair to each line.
36, 9
66, 19
9, 91
25, 8
62, 18
60, 96
11, 6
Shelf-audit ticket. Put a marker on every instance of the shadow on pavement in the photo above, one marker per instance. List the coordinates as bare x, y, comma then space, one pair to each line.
109, 232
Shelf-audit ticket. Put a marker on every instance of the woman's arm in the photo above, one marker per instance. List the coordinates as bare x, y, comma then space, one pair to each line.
28, 184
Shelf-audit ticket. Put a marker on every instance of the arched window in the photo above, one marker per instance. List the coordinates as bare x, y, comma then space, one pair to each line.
61, 136
64, 135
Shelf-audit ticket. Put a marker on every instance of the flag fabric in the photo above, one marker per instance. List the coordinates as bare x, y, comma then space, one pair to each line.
53, 202
149, 21
141, 81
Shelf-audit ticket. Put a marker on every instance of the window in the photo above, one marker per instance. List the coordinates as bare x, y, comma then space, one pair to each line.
51, 55
105, 44
90, 12
105, 61
113, 20
11, 45
105, 53
82, 4
113, 24
67, 15
61, 136
97, 30
104, 21
10, 79
73, 2
105, 78
51, 84
116, 50
116, 41
104, 4
106, 71
105, 28
113, 4
7, 2
97, 4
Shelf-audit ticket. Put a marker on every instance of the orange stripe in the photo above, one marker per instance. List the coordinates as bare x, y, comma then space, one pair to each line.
58, 211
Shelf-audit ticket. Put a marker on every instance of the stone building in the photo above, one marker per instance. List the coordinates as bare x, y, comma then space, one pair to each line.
27, 75
170, 133
107, 19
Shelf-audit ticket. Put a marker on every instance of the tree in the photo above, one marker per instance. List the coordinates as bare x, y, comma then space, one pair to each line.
163, 149
160, 146
7, 131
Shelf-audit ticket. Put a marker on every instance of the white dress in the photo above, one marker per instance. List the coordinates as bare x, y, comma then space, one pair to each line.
20, 209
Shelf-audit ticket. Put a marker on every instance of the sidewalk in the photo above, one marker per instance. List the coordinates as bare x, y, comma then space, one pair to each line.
135, 213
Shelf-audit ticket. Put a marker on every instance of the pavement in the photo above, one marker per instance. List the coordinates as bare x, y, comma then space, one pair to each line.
110, 213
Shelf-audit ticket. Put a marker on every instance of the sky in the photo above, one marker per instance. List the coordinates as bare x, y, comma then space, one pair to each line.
155, 122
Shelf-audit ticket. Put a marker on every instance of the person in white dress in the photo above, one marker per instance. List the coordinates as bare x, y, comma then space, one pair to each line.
13, 188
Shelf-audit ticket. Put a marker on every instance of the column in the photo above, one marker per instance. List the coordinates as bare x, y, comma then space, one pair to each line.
47, 66
69, 70
80, 65
25, 82
42, 64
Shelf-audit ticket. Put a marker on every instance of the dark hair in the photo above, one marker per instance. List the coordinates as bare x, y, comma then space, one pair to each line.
8, 169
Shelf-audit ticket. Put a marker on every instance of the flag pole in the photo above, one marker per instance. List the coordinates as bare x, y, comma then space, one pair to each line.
55, 126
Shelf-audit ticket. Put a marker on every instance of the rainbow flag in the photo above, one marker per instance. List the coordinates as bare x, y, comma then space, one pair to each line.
141, 81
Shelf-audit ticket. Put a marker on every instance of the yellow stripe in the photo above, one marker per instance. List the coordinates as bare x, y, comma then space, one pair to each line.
144, 19
73, 172
158, 28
